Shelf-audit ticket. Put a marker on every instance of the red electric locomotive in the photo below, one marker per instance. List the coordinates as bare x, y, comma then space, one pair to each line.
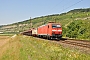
50, 30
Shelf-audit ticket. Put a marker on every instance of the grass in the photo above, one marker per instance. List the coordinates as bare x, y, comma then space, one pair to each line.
6, 34
30, 48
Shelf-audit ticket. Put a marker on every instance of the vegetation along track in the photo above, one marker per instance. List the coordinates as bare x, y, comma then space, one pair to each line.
80, 43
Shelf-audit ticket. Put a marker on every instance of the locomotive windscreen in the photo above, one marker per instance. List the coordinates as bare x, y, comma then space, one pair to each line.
56, 26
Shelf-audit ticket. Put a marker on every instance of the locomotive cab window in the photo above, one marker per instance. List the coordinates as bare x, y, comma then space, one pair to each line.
48, 26
56, 26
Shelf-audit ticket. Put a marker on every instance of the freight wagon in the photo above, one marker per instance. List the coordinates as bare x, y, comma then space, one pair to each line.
34, 32
29, 32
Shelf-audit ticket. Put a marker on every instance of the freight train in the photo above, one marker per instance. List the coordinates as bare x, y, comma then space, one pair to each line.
50, 31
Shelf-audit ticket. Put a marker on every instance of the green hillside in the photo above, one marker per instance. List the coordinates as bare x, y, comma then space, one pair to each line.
75, 23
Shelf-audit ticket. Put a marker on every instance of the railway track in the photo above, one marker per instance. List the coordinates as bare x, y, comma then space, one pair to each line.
80, 43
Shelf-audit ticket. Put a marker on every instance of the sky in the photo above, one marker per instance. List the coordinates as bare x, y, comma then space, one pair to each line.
12, 11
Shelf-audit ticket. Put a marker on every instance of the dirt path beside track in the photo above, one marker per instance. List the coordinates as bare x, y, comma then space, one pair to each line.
3, 40
3, 44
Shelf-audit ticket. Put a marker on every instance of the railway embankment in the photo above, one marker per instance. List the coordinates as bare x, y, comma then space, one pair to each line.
30, 48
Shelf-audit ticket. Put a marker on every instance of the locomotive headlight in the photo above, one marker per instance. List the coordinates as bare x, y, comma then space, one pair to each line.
60, 30
57, 30
54, 30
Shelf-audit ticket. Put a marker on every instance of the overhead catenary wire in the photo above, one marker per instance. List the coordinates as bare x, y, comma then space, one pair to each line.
65, 4
55, 6
52, 8
71, 5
